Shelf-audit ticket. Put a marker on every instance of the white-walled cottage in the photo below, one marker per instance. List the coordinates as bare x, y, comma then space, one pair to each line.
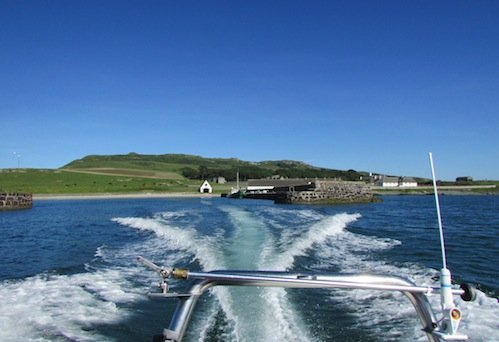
205, 188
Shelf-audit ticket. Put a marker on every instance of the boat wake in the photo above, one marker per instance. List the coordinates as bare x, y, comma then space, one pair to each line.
55, 306
250, 242
50, 307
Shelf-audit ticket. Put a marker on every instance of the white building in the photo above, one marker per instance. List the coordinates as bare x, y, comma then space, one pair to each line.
219, 180
205, 188
396, 182
408, 182
388, 182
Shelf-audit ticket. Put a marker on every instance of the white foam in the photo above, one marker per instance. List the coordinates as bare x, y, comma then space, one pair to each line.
480, 318
46, 307
64, 307
273, 317
51, 307
205, 249
374, 310
267, 314
247, 307
187, 239
391, 314
317, 234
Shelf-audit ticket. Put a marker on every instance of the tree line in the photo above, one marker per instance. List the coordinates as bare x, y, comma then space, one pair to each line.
255, 172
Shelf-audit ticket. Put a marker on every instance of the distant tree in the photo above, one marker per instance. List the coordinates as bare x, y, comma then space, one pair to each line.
191, 173
203, 172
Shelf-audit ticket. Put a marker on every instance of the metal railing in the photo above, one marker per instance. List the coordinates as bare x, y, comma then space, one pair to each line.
435, 329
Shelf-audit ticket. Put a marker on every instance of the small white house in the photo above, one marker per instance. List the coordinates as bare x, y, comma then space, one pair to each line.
205, 188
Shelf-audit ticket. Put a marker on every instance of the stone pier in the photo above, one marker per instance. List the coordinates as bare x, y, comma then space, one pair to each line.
328, 192
13, 201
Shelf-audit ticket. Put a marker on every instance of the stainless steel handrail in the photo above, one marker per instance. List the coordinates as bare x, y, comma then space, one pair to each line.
202, 281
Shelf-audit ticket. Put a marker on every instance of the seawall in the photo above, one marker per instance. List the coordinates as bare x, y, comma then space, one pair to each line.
14, 201
331, 192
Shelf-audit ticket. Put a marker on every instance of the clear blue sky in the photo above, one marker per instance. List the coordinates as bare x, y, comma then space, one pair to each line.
364, 85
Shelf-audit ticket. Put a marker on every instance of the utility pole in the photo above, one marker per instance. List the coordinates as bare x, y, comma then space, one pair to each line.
18, 156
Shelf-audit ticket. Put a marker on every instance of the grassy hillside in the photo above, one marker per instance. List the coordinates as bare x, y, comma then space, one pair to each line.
152, 173
184, 166
160, 173
64, 182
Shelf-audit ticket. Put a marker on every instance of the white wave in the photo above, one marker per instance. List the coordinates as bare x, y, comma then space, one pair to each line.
391, 315
256, 313
203, 323
267, 314
316, 235
205, 249
174, 238
51, 307
168, 215
480, 318
281, 317
59, 307
245, 307
294, 244
386, 314
99, 252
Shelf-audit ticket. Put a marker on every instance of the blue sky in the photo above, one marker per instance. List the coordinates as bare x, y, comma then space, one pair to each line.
364, 85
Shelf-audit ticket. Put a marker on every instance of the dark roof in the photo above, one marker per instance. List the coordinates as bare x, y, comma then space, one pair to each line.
279, 182
390, 179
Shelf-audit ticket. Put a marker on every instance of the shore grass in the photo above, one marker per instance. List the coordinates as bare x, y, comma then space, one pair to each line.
50, 181
481, 188
128, 181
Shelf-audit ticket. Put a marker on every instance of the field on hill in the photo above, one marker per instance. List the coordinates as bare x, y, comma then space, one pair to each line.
195, 167
174, 173
43, 181
134, 172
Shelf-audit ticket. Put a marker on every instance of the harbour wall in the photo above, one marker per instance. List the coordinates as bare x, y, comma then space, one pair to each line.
13, 201
331, 192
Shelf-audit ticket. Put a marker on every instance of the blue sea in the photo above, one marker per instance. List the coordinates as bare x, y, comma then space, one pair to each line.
68, 269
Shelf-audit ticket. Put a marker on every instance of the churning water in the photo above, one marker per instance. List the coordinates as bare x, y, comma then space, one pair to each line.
68, 269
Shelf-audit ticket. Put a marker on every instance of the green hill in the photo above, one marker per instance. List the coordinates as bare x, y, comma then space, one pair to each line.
60, 181
134, 172
181, 166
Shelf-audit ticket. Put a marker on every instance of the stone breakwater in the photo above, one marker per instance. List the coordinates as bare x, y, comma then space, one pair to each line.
12, 201
331, 192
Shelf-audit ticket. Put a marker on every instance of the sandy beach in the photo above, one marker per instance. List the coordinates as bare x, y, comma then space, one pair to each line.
124, 196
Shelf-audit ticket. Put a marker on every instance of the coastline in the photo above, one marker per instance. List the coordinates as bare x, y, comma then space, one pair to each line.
90, 196
44, 197
469, 190
487, 190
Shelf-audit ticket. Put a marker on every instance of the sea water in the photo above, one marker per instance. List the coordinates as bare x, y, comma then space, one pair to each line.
68, 269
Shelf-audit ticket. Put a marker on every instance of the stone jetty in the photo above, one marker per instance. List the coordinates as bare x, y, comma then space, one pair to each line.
312, 191
13, 201
330, 192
